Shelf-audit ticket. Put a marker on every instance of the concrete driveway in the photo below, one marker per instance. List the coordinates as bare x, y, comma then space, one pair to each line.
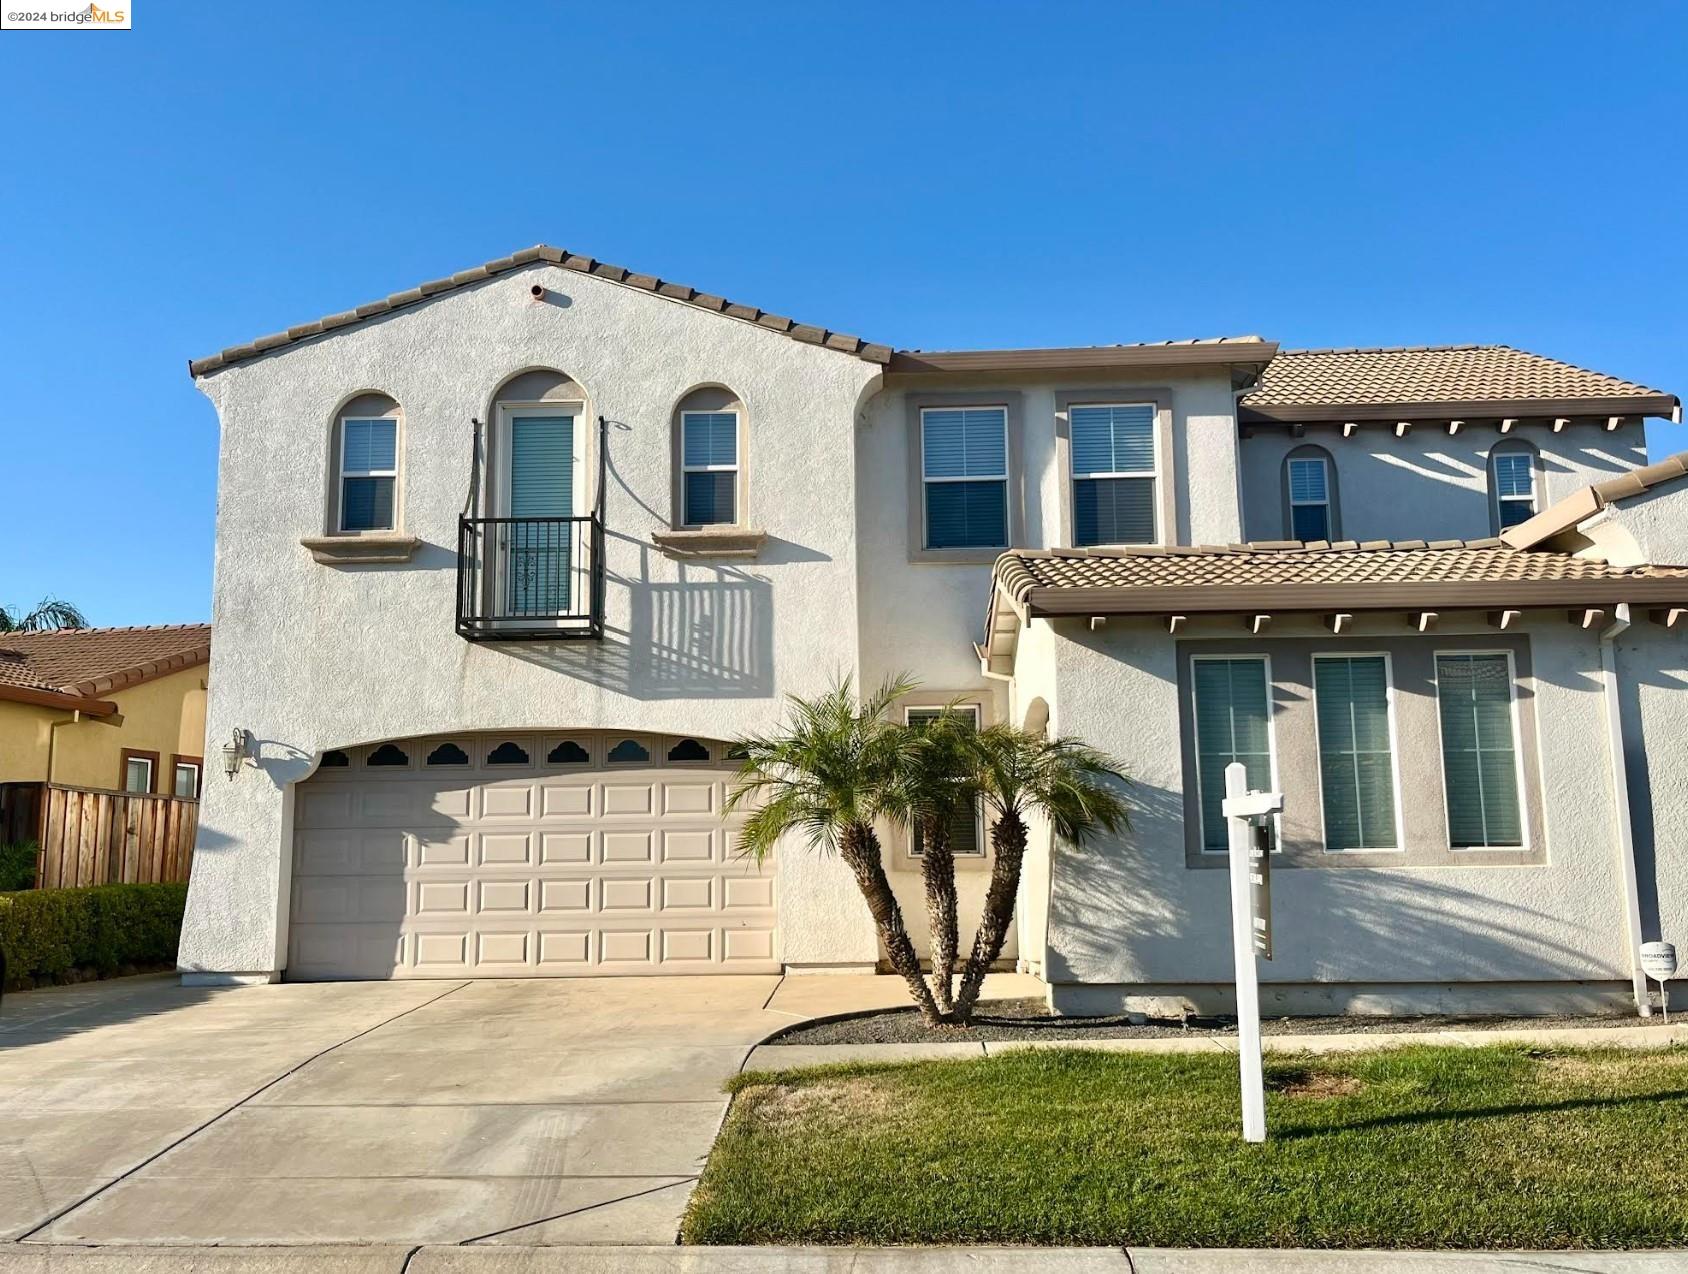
522, 1112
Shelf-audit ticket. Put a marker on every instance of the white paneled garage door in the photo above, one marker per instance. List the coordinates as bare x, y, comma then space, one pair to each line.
524, 855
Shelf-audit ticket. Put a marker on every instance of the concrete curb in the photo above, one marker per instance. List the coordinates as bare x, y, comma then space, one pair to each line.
782, 1056
31, 1258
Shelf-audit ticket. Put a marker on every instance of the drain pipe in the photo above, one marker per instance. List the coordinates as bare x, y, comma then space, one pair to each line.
1620, 801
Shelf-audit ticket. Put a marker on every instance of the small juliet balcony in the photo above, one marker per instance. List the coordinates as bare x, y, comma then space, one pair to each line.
530, 579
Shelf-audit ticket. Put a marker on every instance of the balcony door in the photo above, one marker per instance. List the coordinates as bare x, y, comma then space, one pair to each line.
540, 551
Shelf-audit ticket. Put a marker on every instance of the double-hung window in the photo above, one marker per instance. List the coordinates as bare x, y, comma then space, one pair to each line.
1114, 474
1233, 716
1309, 498
1512, 475
964, 476
967, 831
368, 472
1356, 751
709, 462
1479, 750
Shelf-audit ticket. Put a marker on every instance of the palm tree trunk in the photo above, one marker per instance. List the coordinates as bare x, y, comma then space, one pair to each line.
859, 848
1008, 848
937, 870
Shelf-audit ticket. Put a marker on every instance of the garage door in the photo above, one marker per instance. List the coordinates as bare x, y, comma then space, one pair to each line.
524, 856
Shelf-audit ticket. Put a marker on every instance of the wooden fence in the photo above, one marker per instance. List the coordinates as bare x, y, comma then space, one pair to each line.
90, 836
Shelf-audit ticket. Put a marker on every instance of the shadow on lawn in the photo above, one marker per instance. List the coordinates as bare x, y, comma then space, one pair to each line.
1408, 1118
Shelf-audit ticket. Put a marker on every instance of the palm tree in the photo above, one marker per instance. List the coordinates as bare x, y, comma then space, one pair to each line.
51, 613
1070, 784
933, 792
830, 771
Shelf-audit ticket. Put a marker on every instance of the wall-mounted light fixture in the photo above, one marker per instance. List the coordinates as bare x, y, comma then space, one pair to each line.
234, 751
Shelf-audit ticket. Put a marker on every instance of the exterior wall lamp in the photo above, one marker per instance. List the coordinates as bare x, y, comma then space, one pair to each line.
234, 751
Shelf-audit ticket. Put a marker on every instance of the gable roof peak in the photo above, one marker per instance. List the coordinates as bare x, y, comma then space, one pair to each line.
544, 253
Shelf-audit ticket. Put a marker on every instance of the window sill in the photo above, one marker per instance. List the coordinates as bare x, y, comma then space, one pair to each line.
710, 542
358, 550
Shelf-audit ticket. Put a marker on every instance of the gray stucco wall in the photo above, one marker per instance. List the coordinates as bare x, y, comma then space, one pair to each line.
1129, 916
1426, 485
1653, 675
310, 657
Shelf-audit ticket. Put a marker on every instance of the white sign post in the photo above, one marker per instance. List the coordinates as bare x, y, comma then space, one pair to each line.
1244, 812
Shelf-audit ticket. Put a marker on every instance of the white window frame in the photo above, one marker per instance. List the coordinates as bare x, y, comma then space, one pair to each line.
736, 469
198, 777
1271, 742
926, 482
1074, 477
1289, 477
152, 775
344, 473
499, 497
1496, 499
1399, 847
931, 710
1527, 838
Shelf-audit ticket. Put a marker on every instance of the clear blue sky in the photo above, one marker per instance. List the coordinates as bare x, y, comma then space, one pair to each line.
981, 174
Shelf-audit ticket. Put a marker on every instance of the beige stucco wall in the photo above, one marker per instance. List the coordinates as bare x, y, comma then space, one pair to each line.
165, 715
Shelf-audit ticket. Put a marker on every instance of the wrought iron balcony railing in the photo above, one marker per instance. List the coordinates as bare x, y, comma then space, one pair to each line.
530, 579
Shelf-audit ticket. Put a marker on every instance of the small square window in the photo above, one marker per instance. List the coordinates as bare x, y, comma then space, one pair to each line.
186, 780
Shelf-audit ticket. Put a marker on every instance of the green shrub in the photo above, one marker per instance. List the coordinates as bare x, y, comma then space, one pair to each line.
17, 865
49, 934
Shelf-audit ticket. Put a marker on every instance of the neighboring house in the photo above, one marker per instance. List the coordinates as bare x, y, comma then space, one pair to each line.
504, 561
117, 709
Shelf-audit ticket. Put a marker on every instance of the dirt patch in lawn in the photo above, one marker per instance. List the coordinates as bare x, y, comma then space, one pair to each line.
1006, 1020
1314, 1084
839, 1101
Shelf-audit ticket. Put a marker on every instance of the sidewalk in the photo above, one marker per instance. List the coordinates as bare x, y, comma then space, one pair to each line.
781, 1056
32, 1259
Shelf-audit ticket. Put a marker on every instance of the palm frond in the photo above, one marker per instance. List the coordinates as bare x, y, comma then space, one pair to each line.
49, 615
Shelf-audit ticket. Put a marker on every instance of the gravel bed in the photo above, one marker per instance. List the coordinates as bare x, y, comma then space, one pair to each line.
1031, 1020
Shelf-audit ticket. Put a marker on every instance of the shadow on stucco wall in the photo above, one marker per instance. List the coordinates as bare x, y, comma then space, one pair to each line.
707, 632
1127, 910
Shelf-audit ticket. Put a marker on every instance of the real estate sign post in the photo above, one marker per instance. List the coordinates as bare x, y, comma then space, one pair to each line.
1249, 819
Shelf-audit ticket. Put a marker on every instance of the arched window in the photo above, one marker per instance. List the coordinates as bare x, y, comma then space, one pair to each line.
1513, 482
1310, 505
709, 459
364, 496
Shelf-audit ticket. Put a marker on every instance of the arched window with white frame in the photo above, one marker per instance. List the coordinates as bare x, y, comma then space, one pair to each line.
1310, 504
1513, 484
364, 496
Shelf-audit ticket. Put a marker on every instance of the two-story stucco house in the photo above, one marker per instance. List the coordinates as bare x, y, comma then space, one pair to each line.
505, 561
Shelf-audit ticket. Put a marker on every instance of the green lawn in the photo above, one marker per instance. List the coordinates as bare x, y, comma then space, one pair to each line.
1418, 1147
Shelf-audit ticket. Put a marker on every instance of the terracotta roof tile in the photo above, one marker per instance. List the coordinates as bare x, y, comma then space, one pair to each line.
556, 256
1451, 376
1370, 576
93, 661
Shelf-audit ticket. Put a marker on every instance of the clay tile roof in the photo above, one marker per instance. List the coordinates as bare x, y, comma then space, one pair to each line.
1448, 380
1317, 576
1208, 351
1585, 502
543, 253
89, 662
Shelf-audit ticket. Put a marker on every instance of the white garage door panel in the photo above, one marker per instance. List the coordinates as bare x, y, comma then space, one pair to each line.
531, 870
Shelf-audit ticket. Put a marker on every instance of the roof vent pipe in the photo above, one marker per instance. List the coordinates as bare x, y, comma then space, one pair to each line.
1620, 802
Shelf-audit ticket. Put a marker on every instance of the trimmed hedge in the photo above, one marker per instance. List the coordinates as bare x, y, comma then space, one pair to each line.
47, 935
